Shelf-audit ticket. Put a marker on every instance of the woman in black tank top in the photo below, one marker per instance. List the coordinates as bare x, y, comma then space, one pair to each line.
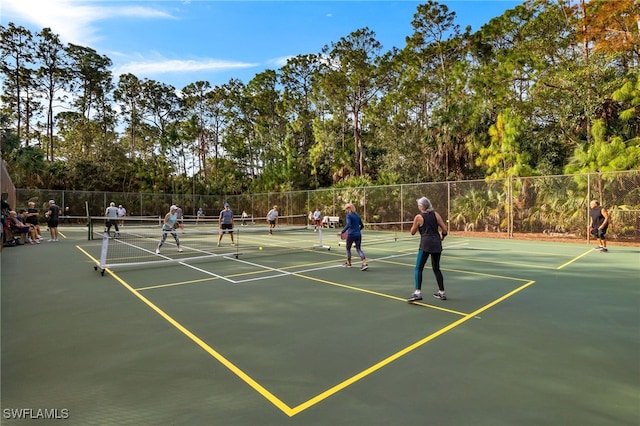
428, 222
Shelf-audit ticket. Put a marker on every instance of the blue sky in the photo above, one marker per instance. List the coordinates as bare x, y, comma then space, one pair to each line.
180, 42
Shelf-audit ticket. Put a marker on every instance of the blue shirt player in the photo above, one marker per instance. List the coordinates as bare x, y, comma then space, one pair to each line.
353, 228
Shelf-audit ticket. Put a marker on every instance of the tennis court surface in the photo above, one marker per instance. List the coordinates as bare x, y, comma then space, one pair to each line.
532, 333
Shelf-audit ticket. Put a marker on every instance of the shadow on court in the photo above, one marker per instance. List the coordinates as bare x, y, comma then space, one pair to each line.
533, 333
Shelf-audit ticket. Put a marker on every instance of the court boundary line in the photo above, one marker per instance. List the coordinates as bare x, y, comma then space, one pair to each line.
269, 396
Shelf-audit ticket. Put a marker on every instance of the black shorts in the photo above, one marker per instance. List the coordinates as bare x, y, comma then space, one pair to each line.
52, 223
227, 228
599, 233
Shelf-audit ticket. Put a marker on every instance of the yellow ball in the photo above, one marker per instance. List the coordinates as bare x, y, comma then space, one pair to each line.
260, 248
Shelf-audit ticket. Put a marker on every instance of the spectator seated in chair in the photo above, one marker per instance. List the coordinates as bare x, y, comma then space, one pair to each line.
27, 233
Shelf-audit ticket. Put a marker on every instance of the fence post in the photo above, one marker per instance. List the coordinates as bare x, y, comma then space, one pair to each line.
448, 205
588, 206
401, 208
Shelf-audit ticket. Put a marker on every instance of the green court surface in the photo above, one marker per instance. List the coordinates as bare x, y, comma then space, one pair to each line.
532, 333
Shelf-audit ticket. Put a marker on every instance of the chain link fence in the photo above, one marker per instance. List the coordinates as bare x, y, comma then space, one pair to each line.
554, 206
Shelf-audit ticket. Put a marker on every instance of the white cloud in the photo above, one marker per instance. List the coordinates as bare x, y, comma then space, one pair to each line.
146, 68
72, 20
279, 62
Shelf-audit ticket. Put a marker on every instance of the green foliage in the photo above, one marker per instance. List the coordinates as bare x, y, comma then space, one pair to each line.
504, 157
604, 154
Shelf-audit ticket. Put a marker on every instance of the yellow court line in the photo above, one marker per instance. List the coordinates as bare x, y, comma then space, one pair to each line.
574, 259
499, 262
375, 293
460, 271
331, 391
224, 361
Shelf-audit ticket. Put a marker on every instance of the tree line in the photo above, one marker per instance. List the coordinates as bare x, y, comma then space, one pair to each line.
549, 87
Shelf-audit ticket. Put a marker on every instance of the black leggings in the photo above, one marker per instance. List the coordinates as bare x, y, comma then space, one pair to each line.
421, 260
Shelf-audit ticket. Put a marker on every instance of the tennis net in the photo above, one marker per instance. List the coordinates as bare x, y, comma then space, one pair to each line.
135, 243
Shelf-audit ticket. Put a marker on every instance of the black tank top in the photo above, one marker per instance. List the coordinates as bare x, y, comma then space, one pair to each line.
597, 217
430, 240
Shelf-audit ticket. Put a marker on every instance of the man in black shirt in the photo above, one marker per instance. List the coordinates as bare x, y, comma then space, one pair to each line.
599, 224
53, 216
31, 218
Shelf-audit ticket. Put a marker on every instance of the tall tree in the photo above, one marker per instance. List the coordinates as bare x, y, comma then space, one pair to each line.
197, 107
350, 81
436, 77
16, 58
297, 78
129, 92
53, 77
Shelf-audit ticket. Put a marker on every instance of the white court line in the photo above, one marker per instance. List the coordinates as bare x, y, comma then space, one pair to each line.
283, 273
303, 271
455, 245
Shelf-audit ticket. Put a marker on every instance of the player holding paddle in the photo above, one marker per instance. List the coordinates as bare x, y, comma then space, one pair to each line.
352, 228
226, 223
427, 222
169, 227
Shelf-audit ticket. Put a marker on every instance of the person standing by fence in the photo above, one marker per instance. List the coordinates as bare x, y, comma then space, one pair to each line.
599, 224
427, 223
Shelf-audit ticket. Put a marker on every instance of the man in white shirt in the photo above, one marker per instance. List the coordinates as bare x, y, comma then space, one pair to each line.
122, 212
112, 218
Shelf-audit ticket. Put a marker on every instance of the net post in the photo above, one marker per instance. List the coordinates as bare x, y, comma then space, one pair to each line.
320, 244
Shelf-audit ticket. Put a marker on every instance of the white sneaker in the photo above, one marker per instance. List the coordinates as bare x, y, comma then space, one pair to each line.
157, 251
180, 250
50, 240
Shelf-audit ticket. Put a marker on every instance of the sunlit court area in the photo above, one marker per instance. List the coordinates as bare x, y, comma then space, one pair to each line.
274, 330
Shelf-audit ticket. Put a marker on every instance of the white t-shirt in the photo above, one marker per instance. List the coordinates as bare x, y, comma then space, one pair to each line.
112, 212
272, 215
